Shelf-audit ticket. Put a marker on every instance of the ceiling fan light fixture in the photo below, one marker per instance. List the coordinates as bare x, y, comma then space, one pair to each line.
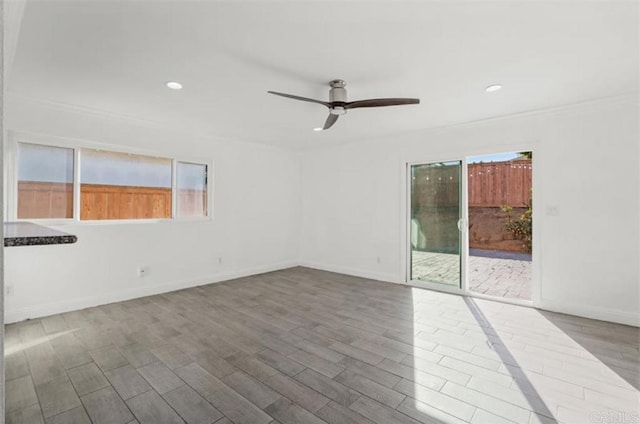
174, 85
493, 87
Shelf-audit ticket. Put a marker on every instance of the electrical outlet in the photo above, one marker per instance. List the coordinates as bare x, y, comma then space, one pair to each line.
143, 271
219, 259
553, 211
378, 259
9, 289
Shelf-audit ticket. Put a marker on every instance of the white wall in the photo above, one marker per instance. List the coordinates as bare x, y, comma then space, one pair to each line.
340, 208
255, 226
585, 164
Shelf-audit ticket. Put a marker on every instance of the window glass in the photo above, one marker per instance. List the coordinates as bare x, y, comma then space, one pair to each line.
124, 186
45, 182
191, 189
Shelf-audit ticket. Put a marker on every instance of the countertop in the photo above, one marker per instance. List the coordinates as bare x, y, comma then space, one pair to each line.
29, 234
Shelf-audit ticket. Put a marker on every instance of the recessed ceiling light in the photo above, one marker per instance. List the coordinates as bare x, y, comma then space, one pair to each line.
318, 129
174, 85
492, 88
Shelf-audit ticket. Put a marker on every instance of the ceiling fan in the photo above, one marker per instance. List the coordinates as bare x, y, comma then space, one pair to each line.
338, 104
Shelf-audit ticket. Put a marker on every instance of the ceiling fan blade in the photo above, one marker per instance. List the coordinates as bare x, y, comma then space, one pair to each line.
304, 99
380, 102
331, 119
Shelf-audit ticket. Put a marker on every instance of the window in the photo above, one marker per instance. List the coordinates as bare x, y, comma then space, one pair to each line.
192, 189
124, 186
83, 182
45, 182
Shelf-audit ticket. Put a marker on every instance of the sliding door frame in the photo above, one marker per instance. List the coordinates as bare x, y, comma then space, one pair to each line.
405, 237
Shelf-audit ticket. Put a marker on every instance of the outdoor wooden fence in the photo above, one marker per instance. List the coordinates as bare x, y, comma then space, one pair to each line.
44, 200
99, 201
491, 184
500, 183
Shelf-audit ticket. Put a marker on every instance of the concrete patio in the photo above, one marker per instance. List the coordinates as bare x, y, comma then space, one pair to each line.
507, 278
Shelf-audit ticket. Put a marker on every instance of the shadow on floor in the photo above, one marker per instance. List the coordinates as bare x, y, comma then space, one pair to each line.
525, 386
600, 338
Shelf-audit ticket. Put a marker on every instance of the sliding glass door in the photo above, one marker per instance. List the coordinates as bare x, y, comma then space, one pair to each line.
470, 224
435, 223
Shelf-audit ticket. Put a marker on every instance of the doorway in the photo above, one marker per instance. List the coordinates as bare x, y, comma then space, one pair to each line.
470, 225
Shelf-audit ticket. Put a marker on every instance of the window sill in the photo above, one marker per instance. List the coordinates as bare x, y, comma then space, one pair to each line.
65, 222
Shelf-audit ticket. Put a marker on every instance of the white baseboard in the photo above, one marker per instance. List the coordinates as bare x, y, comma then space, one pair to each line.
90, 301
17, 315
593, 312
372, 275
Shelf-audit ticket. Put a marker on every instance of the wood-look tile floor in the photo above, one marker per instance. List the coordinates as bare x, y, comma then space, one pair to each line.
306, 346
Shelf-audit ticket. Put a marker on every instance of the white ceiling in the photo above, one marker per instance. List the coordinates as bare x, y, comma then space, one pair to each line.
116, 56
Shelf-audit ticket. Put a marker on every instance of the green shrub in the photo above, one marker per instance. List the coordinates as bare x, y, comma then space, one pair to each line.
521, 225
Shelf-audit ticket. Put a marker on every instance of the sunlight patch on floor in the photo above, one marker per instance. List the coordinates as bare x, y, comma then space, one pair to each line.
494, 361
10, 350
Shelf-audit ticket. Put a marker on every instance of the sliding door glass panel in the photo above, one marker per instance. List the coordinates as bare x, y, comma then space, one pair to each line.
435, 214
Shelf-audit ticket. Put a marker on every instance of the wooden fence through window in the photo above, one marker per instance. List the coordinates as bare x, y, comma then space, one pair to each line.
99, 201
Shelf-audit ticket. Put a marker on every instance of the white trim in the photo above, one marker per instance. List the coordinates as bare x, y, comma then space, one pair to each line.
378, 276
98, 222
100, 113
507, 300
75, 215
549, 111
536, 222
405, 222
405, 213
91, 301
174, 188
463, 235
91, 222
592, 312
184, 130
444, 288
211, 180
76, 143
187, 130
441, 287
11, 179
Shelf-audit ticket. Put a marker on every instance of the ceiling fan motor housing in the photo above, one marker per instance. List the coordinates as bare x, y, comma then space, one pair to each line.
337, 97
338, 93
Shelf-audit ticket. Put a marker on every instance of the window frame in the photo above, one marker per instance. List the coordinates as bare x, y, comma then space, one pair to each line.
174, 186
11, 178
